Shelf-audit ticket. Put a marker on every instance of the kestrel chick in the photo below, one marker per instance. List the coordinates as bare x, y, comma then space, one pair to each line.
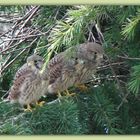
27, 85
89, 56
73, 66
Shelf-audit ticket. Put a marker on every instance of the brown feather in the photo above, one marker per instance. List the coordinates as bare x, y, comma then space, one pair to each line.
27, 85
18, 81
75, 65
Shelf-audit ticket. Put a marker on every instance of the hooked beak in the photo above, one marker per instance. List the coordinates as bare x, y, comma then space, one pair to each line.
31, 63
39, 65
101, 60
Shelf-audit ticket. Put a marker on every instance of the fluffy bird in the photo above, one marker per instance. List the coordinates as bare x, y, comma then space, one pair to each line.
27, 85
73, 67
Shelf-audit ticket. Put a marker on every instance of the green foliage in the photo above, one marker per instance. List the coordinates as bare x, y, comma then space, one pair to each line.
58, 118
105, 113
9, 9
11, 118
102, 111
134, 84
132, 28
106, 107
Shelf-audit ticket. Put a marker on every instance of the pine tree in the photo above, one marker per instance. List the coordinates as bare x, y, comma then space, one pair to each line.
110, 105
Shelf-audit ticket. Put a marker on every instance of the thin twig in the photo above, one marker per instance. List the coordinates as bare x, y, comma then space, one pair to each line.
54, 101
35, 9
101, 37
6, 60
17, 56
13, 45
29, 18
90, 33
111, 77
128, 58
57, 12
17, 50
25, 36
12, 61
123, 100
5, 32
113, 72
8, 47
106, 66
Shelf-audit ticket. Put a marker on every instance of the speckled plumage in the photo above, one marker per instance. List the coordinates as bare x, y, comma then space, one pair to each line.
73, 66
27, 84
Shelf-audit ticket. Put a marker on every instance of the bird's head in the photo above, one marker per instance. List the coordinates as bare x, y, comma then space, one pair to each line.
96, 53
91, 52
35, 62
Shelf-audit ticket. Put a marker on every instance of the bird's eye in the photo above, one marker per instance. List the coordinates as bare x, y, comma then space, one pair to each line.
40, 60
95, 55
35, 61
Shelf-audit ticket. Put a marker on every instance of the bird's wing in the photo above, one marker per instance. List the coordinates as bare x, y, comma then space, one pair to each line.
55, 67
62, 62
19, 79
24, 69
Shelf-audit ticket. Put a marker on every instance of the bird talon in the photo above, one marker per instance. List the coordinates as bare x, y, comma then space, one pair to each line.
82, 87
40, 103
69, 94
59, 95
72, 94
28, 109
